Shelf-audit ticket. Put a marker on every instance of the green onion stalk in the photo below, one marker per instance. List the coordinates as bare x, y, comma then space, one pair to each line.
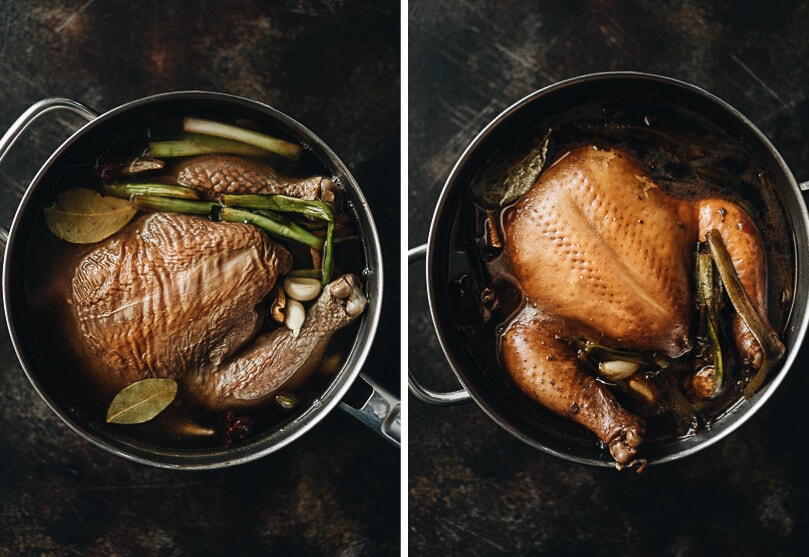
173, 205
227, 131
286, 204
771, 347
191, 144
280, 229
126, 191
709, 310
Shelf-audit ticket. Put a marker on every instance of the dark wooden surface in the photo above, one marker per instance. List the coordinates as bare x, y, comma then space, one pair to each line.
335, 67
474, 489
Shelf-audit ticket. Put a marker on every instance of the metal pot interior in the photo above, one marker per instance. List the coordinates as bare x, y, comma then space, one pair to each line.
121, 130
634, 110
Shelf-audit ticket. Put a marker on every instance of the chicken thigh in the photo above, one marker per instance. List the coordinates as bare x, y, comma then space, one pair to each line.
603, 254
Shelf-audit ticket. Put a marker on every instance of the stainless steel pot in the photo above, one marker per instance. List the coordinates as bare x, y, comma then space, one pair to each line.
370, 404
609, 99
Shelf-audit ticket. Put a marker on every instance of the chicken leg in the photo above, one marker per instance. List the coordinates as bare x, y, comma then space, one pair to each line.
276, 357
548, 371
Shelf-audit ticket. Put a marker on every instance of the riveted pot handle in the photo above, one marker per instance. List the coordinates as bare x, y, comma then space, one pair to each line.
35, 111
375, 407
29, 117
421, 392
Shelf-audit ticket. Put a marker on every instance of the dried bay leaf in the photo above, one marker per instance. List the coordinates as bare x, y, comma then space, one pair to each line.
141, 401
84, 216
510, 171
523, 176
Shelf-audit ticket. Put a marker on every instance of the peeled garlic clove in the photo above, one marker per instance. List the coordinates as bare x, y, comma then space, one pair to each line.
617, 369
641, 387
295, 314
302, 289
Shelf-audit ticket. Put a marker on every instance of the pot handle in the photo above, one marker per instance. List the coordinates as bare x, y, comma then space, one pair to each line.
804, 186
29, 117
425, 394
375, 407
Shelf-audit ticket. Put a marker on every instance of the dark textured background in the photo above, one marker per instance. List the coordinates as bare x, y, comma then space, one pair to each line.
475, 490
333, 66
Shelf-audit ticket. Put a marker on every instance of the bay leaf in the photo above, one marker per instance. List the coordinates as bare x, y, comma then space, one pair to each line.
523, 176
84, 216
510, 171
141, 401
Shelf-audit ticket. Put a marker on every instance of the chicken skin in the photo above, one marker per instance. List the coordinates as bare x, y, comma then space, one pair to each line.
181, 297
603, 254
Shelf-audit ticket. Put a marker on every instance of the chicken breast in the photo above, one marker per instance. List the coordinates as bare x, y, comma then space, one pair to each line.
172, 292
181, 297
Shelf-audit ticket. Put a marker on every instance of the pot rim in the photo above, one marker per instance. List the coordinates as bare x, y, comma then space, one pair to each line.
736, 416
339, 385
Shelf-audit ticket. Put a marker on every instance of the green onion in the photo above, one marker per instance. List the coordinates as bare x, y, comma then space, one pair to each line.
286, 204
709, 309
250, 137
163, 190
172, 205
229, 214
283, 220
327, 254
280, 203
191, 144
771, 347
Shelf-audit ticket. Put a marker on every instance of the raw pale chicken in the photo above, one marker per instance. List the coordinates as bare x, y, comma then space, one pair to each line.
602, 253
179, 296
215, 175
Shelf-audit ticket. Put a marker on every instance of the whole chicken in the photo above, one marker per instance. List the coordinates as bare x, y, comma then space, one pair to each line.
181, 297
603, 254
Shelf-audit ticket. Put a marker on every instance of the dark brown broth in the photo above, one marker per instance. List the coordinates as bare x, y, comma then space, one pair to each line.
48, 274
689, 158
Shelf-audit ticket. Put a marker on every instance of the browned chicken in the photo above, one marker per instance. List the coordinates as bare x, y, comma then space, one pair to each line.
179, 296
602, 253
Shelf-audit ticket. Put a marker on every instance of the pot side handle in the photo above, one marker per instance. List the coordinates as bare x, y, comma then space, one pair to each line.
375, 407
804, 186
29, 117
425, 394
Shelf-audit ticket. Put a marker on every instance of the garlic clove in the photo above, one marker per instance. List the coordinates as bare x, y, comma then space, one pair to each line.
302, 289
294, 316
641, 387
617, 369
